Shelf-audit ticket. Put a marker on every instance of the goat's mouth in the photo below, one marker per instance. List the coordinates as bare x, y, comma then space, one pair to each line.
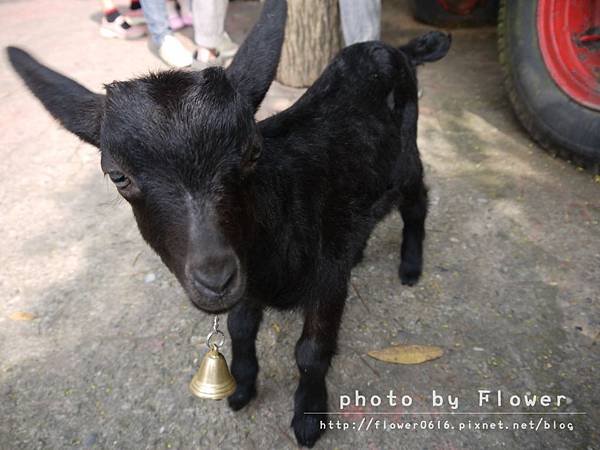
217, 303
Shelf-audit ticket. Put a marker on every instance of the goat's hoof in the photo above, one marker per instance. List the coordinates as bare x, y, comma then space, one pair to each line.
409, 274
358, 258
307, 428
241, 397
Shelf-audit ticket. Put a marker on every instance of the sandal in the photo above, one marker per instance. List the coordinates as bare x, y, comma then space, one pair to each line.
206, 57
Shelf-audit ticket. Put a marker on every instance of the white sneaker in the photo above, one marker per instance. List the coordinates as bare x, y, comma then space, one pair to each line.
173, 53
121, 28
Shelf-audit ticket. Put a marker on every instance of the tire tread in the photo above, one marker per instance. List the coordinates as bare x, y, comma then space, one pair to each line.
522, 112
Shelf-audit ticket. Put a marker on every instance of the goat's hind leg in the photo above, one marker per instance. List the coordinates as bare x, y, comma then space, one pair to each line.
413, 209
243, 323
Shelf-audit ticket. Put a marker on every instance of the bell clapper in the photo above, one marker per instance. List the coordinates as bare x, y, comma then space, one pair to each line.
213, 379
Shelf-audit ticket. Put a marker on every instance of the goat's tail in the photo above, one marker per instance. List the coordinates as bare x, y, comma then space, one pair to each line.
428, 47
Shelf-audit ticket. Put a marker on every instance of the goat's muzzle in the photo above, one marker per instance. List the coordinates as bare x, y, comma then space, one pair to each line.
215, 283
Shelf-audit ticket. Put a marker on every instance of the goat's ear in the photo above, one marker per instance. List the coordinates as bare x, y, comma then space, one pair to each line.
76, 108
255, 64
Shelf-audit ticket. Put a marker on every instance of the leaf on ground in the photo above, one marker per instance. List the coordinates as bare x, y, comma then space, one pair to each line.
407, 354
21, 315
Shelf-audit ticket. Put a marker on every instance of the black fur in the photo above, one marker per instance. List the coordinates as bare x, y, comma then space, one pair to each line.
428, 47
76, 108
249, 215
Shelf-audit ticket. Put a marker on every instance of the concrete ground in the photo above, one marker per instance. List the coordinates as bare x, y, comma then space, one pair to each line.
510, 289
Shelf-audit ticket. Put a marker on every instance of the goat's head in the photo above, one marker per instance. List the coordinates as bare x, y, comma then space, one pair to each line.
180, 147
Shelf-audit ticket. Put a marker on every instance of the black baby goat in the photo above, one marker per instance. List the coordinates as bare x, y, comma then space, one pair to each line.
250, 215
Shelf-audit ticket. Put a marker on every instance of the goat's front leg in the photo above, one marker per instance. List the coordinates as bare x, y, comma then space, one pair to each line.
414, 211
243, 323
314, 351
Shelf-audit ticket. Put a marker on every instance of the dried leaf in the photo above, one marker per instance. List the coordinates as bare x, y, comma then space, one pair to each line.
21, 315
407, 354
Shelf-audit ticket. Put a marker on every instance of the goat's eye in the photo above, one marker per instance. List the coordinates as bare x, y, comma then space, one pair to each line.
120, 180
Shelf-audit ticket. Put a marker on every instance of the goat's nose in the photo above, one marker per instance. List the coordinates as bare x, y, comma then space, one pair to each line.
214, 276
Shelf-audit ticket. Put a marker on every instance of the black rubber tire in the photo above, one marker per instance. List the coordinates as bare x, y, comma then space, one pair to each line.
558, 123
431, 12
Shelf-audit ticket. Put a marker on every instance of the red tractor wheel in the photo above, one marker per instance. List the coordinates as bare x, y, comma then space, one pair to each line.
569, 36
550, 52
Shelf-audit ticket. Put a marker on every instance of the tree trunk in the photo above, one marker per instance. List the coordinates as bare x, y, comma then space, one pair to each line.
312, 39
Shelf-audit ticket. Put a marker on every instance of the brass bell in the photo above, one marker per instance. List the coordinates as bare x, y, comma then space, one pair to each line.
213, 379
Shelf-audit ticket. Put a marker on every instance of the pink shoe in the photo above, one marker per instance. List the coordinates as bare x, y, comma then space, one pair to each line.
187, 19
185, 11
176, 23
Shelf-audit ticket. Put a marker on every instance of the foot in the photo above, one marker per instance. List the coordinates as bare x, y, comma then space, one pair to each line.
227, 48
120, 28
206, 57
307, 427
135, 17
175, 23
409, 273
185, 11
188, 21
173, 53
358, 258
241, 397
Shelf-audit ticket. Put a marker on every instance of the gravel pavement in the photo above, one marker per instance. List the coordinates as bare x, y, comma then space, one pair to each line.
510, 289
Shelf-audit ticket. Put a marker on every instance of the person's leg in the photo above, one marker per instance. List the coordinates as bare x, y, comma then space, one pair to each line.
155, 12
108, 5
214, 44
135, 15
209, 21
109, 10
162, 42
361, 20
175, 22
186, 12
